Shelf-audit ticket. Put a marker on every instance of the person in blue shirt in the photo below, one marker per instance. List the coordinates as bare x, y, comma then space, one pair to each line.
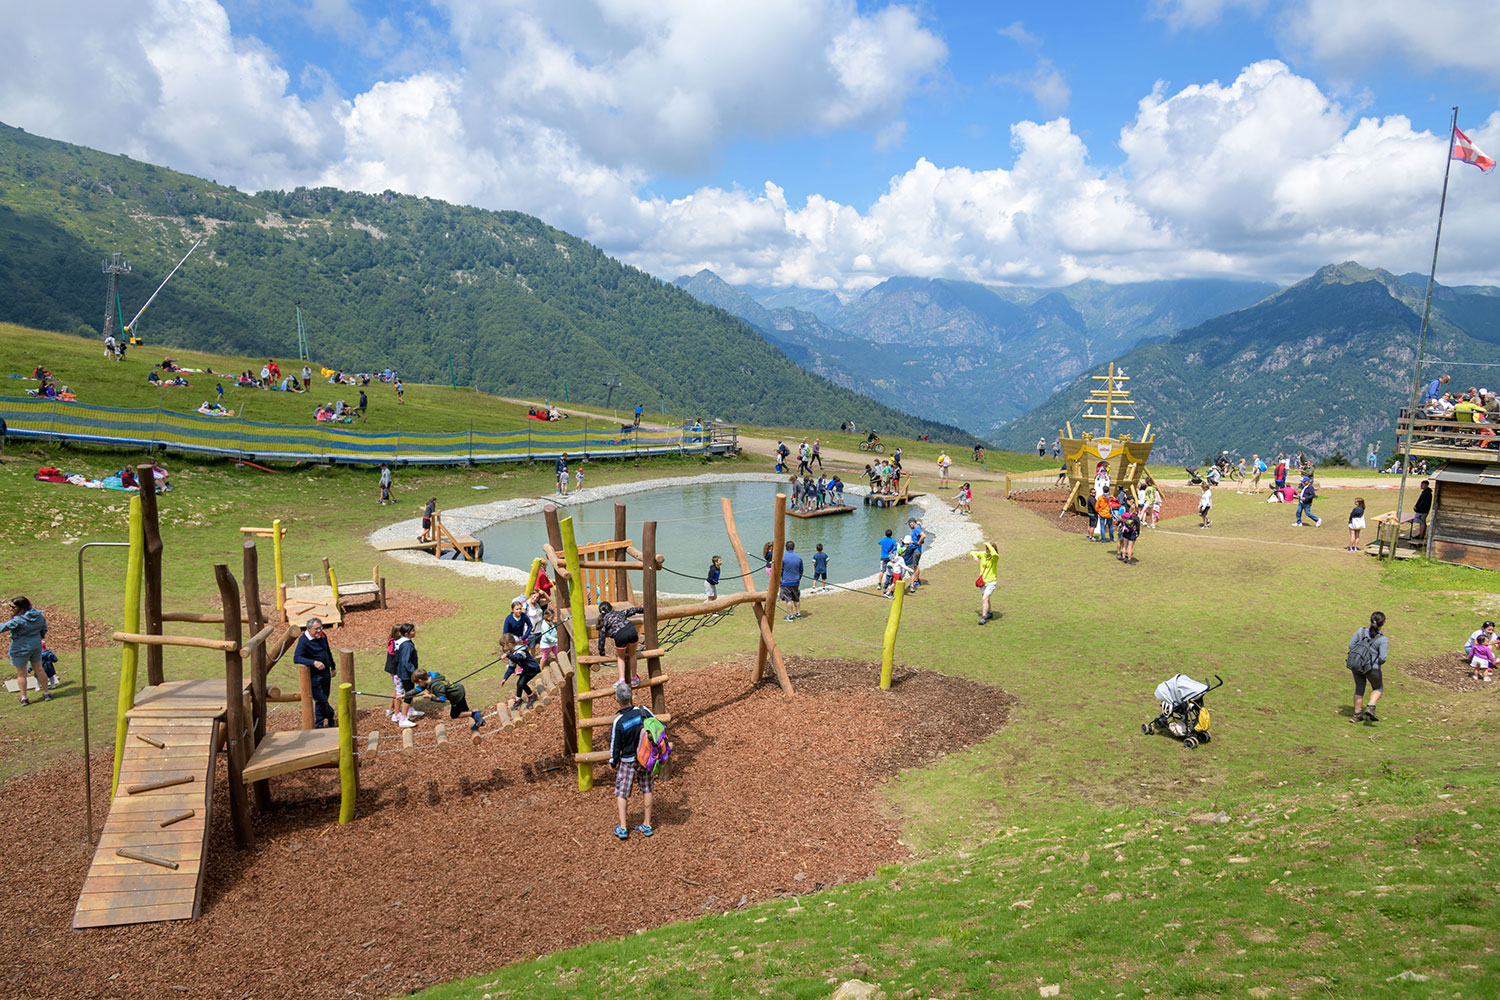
711, 582
517, 623
887, 549
638, 411
791, 581
560, 467
820, 568
913, 555
1434, 389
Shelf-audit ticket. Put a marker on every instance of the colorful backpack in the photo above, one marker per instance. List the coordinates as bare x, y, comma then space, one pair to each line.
653, 748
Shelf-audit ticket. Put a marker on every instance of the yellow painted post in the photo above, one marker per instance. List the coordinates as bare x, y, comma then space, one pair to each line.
580, 650
892, 626
348, 778
536, 568
333, 582
135, 565
276, 556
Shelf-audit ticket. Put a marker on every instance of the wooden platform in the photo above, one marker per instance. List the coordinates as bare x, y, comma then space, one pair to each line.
291, 750
466, 542
124, 891
821, 511
303, 603
886, 500
180, 700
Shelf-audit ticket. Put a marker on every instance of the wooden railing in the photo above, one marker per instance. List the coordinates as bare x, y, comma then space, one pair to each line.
1445, 437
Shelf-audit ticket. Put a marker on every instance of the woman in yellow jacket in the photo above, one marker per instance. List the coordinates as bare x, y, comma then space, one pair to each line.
989, 574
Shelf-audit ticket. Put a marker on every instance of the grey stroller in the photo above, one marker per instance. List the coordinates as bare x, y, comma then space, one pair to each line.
1182, 713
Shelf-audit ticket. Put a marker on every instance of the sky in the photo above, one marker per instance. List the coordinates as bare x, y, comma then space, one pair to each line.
826, 144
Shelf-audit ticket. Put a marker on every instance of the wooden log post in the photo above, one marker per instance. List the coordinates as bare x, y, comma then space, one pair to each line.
648, 604
255, 616
564, 639
346, 676
234, 683
304, 694
892, 626
152, 524
622, 576
778, 549
762, 613
580, 628
348, 770
131, 653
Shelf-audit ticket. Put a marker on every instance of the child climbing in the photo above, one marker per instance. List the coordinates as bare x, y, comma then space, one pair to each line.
524, 664
435, 685
546, 637
614, 625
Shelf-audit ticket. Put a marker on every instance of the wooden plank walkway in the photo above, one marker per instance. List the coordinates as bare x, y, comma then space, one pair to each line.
317, 601
124, 891
180, 699
285, 751
412, 545
821, 511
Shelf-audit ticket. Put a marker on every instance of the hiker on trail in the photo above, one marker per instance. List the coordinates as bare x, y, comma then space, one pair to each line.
817, 453
615, 625
1041, 447
989, 578
638, 411
781, 455
385, 484
27, 626
1305, 497
791, 582
624, 740
1368, 651
560, 468
313, 653
1421, 509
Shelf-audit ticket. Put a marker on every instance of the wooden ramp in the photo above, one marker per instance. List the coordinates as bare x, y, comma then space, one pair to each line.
467, 543
121, 890
291, 750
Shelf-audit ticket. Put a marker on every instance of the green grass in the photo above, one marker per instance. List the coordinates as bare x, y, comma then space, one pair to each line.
1054, 851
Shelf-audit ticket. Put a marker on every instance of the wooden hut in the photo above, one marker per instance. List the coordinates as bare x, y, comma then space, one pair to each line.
1465, 518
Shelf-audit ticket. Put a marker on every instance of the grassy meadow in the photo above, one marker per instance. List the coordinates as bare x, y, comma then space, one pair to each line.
1297, 855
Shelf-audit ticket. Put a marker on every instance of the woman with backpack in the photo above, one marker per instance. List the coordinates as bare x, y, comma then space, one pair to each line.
1368, 650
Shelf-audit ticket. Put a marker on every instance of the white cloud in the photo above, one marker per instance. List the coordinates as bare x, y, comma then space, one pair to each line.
1016, 32
1451, 34
1180, 14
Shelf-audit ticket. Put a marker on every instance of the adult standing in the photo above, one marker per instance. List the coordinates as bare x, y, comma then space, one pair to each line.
1368, 651
307, 375
791, 581
913, 554
560, 469
313, 653
1257, 467
364, 404
803, 456
1130, 529
26, 627
817, 453
1422, 508
1057, 447
1041, 447
989, 578
944, 464
1434, 389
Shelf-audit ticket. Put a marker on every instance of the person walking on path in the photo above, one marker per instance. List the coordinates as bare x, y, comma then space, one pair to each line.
989, 578
26, 626
1356, 523
1368, 651
791, 582
817, 453
314, 654
1305, 497
429, 510
1258, 467
944, 464
624, 739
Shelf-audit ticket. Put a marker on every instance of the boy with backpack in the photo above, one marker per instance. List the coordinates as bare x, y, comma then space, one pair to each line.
435, 685
635, 731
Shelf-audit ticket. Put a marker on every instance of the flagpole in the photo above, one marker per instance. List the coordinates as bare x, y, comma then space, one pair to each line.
1422, 337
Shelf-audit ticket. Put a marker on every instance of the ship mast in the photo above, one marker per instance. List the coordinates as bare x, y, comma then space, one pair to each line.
1110, 397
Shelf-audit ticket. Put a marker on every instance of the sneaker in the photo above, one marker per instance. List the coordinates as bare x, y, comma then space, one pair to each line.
54, 682
1317, 524
635, 682
1357, 716
982, 620
389, 714
622, 833
1370, 715
530, 700
644, 830
478, 721
406, 724
415, 714
790, 618
1209, 524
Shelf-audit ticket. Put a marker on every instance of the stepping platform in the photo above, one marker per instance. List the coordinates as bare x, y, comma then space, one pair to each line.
467, 543
291, 750
821, 511
303, 603
122, 890
180, 700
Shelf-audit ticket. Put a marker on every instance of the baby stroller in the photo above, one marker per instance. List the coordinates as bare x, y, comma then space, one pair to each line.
1182, 713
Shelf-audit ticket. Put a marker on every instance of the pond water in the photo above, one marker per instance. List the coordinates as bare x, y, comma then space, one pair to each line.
690, 531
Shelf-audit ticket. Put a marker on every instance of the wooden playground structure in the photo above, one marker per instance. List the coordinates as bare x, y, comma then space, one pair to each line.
1122, 457
150, 860
900, 499
440, 540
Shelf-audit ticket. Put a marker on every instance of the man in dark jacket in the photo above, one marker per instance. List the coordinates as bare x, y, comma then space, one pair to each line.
1422, 509
313, 653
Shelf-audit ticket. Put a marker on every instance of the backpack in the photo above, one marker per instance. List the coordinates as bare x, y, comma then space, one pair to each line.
1364, 654
653, 748
782, 451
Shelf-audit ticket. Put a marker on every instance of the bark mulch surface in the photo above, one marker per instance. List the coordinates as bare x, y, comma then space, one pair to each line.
62, 631
366, 625
1449, 670
1048, 503
466, 857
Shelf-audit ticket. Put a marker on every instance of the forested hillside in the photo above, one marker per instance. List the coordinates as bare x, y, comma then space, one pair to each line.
518, 307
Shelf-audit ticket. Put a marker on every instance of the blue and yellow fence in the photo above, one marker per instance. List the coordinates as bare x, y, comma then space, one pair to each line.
239, 438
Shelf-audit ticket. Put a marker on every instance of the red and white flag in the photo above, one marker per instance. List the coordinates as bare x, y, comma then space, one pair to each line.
1465, 150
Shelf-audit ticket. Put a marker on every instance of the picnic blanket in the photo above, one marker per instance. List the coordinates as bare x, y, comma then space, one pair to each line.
208, 411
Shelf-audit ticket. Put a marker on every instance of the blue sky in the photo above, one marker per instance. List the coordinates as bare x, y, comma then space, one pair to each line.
826, 142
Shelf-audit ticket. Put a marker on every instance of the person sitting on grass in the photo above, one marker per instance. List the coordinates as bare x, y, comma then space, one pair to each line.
624, 740
524, 664
1487, 629
614, 625
435, 685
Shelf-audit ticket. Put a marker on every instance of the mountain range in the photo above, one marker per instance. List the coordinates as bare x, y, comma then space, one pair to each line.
497, 300
1322, 366
964, 353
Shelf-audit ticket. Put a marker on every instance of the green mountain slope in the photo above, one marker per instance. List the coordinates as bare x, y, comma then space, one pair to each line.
518, 307
1321, 367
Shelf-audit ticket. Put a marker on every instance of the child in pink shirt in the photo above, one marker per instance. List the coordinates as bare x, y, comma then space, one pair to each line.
1483, 658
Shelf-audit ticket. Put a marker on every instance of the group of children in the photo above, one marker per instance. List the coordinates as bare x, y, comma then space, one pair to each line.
901, 560
885, 476
808, 493
1481, 653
